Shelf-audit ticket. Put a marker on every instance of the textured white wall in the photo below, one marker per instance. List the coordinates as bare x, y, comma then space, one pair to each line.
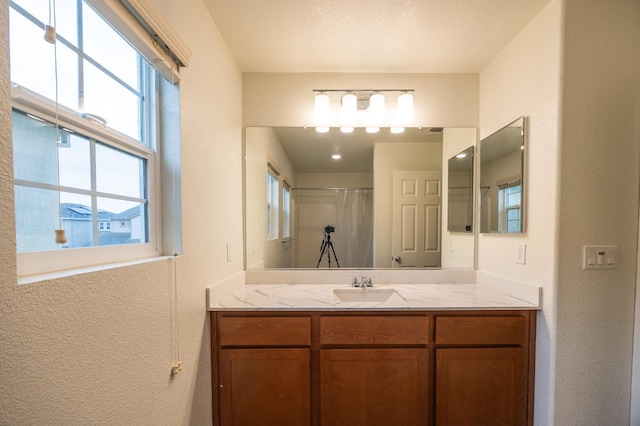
524, 79
574, 72
97, 348
599, 182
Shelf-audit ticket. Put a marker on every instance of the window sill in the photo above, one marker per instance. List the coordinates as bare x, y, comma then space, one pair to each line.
31, 279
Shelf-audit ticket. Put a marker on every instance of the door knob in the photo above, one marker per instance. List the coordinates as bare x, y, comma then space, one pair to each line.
398, 259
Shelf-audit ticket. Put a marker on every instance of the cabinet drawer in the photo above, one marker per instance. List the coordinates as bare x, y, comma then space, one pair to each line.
366, 330
481, 330
265, 331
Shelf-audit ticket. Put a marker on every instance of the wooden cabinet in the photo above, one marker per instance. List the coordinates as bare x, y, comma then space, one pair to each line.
488, 382
373, 368
263, 370
374, 387
482, 365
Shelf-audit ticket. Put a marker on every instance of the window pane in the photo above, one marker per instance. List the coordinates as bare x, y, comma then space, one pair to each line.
34, 154
77, 219
127, 222
74, 155
32, 63
34, 150
286, 212
38, 8
110, 100
105, 46
513, 196
37, 216
66, 20
118, 172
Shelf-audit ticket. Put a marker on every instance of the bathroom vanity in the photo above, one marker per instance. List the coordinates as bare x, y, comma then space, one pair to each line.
445, 354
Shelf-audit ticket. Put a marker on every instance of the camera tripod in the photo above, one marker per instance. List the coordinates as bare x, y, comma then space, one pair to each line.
326, 242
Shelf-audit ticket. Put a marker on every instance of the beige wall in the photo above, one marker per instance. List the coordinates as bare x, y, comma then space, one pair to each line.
574, 72
525, 79
277, 99
98, 347
599, 185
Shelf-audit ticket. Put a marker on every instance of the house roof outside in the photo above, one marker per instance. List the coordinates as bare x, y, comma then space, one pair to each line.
80, 211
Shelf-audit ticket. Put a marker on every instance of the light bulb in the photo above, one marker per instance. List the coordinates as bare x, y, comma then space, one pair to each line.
376, 109
322, 113
397, 129
405, 108
348, 111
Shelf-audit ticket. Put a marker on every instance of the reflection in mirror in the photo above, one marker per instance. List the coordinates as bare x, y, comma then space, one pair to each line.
335, 218
461, 192
502, 202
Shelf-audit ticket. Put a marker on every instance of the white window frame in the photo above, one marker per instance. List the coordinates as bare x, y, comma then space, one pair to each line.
40, 262
146, 29
273, 208
503, 208
286, 209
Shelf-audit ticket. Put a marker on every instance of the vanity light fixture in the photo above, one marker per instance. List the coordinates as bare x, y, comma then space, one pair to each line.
363, 108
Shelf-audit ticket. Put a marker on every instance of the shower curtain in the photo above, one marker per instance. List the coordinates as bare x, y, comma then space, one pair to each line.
353, 241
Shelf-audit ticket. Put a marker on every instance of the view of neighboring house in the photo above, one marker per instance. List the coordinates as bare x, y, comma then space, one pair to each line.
126, 227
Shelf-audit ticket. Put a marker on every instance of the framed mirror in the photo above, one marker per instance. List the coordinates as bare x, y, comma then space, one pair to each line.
345, 205
502, 180
460, 187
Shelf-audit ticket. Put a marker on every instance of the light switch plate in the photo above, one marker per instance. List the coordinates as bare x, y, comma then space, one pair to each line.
600, 257
521, 253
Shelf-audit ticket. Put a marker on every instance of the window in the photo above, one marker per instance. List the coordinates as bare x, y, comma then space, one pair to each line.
273, 212
85, 113
509, 206
286, 210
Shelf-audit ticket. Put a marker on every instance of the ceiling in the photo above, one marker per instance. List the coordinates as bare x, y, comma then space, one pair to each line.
364, 36
386, 36
310, 151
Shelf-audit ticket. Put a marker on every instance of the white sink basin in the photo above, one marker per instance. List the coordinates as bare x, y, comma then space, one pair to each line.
363, 294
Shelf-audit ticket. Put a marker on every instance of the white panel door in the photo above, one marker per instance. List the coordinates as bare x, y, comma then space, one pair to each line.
417, 206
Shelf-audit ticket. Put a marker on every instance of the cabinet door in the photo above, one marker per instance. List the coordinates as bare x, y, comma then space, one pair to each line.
265, 387
374, 387
480, 386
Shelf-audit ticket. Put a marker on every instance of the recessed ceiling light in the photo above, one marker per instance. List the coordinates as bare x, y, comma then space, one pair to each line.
336, 156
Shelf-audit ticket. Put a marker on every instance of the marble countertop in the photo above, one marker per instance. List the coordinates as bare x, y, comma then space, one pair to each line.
406, 297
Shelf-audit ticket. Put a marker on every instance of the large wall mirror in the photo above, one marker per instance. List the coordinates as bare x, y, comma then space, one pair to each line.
502, 180
460, 217
351, 200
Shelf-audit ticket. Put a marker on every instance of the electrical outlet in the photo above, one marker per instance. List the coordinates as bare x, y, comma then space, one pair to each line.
521, 253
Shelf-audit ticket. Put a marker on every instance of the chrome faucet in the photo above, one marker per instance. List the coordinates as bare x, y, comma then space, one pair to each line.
363, 283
